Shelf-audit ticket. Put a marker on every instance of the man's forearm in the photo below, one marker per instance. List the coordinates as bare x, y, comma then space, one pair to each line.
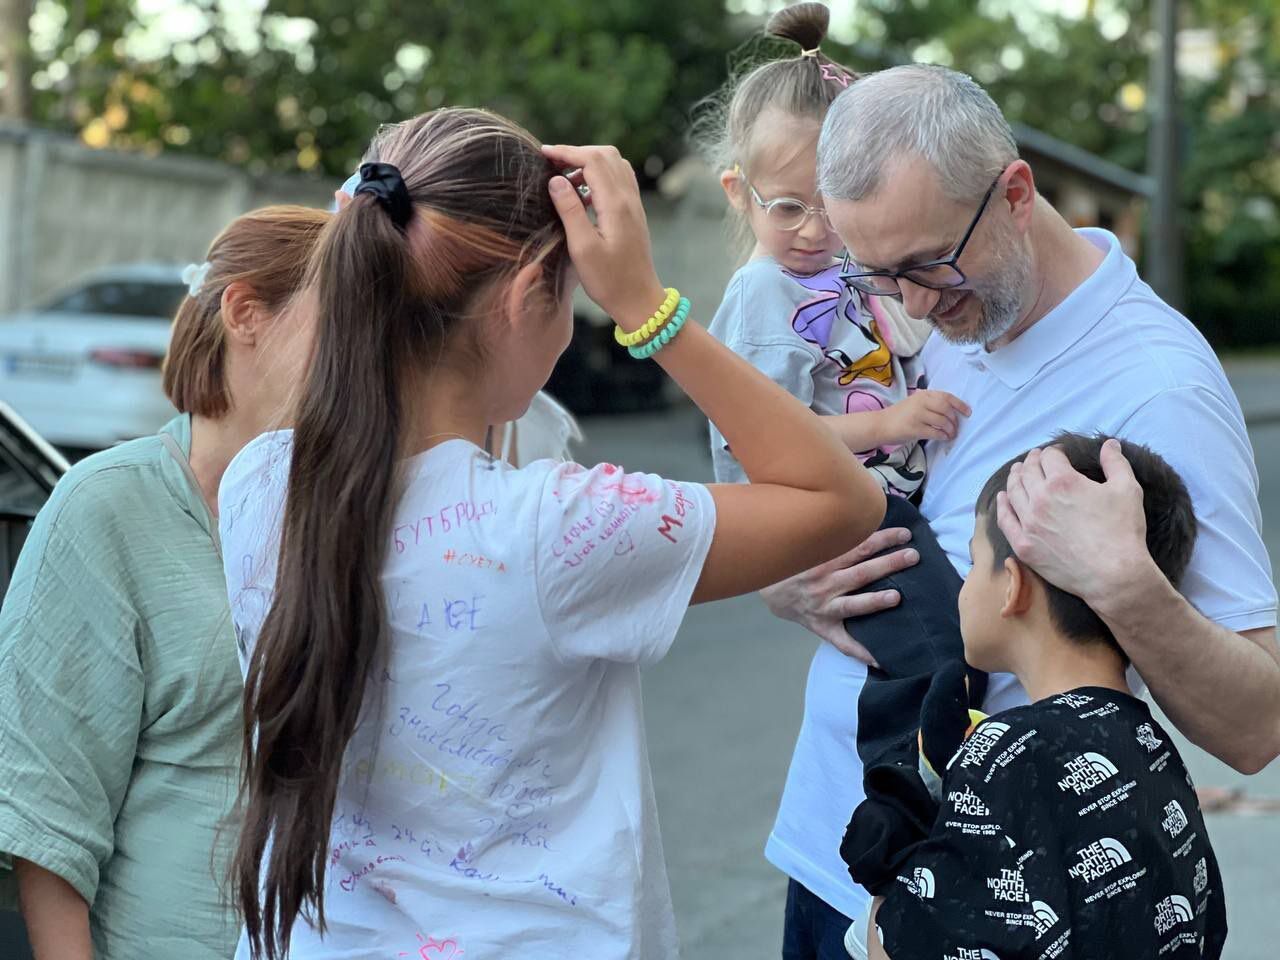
57, 917
1220, 688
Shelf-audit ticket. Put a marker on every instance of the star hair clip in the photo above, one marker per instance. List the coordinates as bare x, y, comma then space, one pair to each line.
835, 75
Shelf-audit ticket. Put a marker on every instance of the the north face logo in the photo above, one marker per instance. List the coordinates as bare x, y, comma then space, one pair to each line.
1175, 821
1099, 858
1073, 700
921, 883
1147, 737
1085, 772
1045, 917
1202, 876
967, 803
1172, 911
980, 742
1008, 886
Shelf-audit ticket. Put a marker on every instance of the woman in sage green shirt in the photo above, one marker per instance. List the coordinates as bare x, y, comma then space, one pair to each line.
120, 692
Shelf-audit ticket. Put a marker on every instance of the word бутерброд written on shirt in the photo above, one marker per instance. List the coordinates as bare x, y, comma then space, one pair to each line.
445, 520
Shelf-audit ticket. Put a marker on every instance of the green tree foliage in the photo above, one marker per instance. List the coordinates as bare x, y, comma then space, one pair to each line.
302, 85
1084, 78
1231, 188
305, 85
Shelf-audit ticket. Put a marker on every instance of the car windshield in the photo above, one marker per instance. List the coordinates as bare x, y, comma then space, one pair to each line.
123, 298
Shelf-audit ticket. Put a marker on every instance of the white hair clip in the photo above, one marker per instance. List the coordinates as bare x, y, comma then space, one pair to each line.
194, 274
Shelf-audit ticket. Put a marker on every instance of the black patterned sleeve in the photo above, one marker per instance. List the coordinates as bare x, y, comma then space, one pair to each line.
989, 882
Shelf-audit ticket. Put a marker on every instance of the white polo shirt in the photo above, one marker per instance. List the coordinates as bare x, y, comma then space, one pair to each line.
1112, 357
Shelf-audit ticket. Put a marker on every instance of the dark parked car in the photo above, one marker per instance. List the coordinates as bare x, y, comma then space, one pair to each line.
29, 468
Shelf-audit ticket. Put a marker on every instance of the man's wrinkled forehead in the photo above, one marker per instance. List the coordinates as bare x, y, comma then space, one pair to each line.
906, 220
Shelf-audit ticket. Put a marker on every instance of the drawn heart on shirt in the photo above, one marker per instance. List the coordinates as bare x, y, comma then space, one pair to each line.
435, 949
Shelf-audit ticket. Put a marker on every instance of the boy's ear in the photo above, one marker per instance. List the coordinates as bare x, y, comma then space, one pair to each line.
731, 182
1019, 592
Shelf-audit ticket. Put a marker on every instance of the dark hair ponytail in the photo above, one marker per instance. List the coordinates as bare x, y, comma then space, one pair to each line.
387, 301
344, 445
802, 23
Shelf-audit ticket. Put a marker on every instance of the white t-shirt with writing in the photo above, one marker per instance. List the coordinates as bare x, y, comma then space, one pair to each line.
496, 800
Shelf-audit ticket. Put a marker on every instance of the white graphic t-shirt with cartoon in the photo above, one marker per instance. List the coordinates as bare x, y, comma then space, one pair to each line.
496, 799
835, 352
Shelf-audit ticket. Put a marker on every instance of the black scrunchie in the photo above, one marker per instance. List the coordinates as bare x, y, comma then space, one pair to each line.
384, 181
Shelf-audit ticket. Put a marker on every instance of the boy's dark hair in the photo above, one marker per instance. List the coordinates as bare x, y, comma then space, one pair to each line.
1171, 524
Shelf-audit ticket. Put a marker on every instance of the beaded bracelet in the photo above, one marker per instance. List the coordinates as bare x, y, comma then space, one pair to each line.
666, 335
652, 325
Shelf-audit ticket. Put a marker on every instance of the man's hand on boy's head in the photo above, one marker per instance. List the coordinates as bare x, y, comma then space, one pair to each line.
1083, 537
819, 600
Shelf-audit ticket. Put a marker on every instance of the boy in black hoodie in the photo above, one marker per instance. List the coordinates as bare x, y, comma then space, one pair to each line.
1068, 827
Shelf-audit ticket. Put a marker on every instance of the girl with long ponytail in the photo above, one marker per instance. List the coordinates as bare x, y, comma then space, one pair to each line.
444, 748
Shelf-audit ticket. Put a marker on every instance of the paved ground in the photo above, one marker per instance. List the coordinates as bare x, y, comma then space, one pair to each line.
724, 706
723, 709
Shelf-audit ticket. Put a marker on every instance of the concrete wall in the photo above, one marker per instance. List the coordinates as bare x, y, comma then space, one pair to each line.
66, 209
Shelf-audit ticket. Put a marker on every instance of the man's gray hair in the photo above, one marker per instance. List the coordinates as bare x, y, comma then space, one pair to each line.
929, 111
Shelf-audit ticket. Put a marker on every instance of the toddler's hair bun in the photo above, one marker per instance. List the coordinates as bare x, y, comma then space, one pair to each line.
802, 23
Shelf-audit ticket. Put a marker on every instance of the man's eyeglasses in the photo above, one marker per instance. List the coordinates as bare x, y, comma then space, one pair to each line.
785, 213
935, 275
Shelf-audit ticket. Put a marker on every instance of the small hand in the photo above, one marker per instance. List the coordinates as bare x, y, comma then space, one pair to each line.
925, 415
819, 600
1081, 536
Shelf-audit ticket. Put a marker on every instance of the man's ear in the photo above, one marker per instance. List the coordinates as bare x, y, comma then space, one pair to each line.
244, 315
731, 181
525, 284
1020, 194
1019, 591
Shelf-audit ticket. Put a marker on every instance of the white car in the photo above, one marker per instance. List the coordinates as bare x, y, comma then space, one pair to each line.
84, 370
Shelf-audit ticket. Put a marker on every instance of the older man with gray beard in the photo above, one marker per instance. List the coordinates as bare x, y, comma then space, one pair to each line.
1040, 328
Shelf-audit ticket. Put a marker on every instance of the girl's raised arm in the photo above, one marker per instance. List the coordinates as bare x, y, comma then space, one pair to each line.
809, 498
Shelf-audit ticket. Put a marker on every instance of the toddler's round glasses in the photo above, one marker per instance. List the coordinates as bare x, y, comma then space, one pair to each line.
785, 213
